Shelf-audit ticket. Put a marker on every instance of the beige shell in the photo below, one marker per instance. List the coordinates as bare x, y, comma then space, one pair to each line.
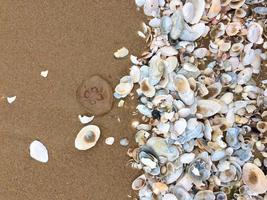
236, 49
139, 182
123, 89
225, 2
182, 86
198, 10
233, 28
208, 108
254, 178
159, 188
262, 126
240, 13
87, 137
147, 89
214, 9
235, 4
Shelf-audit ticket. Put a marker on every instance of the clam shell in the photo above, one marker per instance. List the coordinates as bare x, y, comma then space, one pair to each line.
244, 76
180, 126
240, 13
169, 196
201, 52
178, 24
204, 195
183, 88
181, 193
151, 8
233, 28
187, 158
199, 8
262, 126
172, 63
140, 3
193, 33
38, 151
254, 178
135, 74
254, 33
214, 9
121, 53
87, 137
166, 24
139, 182
235, 4
146, 88
208, 108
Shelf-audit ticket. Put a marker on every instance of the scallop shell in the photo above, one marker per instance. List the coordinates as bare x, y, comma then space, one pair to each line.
254, 178
146, 88
183, 88
87, 137
139, 182
214, 9
233, 28
208, 108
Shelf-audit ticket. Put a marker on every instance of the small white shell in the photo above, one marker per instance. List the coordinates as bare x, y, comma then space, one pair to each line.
38, 151
124, 142
187, 158
85, 119
208, 108
87, 137
199, 8
233, 28
169, 196
44, 73
110, 140
124, 89
10, 100
180, 126
121, 53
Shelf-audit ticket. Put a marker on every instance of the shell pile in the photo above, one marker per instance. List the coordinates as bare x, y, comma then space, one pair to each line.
203, 133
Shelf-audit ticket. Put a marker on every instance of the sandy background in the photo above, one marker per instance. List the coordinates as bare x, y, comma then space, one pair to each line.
73, 40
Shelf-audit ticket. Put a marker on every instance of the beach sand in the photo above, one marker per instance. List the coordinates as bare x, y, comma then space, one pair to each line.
73, 40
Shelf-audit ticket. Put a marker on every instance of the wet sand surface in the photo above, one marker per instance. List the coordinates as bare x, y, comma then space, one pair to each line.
73, 40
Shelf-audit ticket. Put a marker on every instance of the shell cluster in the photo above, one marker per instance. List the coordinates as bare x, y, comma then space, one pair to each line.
203, 133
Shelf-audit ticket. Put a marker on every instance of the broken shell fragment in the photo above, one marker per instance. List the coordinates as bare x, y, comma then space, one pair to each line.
254, 178
85, 119
139, 182
87, 137
121, 53
38, 151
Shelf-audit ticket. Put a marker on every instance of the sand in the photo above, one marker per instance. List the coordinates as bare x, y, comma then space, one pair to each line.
73, 40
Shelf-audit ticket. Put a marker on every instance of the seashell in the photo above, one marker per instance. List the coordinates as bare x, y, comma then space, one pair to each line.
44, 73
180, 126
224, 46
244, 76
135, 74
254, 178
145, 193
235, 4
175, 5
181, 193
140, 3
232, 138
124, 88
10, 100
188, 11
208, 108
204, 195
148, 158
192, 33
124, 142
151, 8
262, 126
139, 182
213, 47
207, 130
161, 148
172, 63
121, 53
159, 188
163, 128
87, 137
254, 33
218, 155
252, 2
141, 137
189, 70
201, 52
85, 119
168, 51
197, 7
169, 196
144, 110
260, 10
221, 196
236, 49
155, 22
240, 13
183, 88
214, 9
227, 97
184, 112
166, 24
38, 152
146, 88
213, 90
233, 28
178, 24
230, 176
110, 140
225, 2
187, 158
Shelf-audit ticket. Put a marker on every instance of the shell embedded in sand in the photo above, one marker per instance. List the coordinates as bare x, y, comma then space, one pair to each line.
121, 53
254, 178
87, 137
38, 151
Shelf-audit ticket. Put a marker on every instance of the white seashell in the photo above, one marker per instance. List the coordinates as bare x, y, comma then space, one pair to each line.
254, 178
155, 22
236, 49
134, 60
124, 142
10, 100
187, 158
254, 33
147, 89
201, 52
38, 151
199, 8
183, 88
224, 46
260, 10
110, 140
175, 5
144, 110
166, 24
188, 11
227, 97
178, 24
204, 195
135, 74
184, 112
244, 76
208, 108
121, 53
262, 126
180, 126
233, 28
140, 3
44, 73
168, 51
240, 13
151, 8
163, 128
192, 33
141, 34
169, 196
172, 63
87, 137
214, 9
139, 182
124, 89
85, 119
